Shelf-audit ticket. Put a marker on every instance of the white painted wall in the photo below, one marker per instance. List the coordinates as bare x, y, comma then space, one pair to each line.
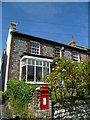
8, 55
8, 47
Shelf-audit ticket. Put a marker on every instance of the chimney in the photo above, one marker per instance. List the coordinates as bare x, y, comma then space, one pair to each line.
73, 42
13, 26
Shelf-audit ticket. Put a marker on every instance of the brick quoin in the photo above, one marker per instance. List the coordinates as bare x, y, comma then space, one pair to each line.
62, 52
10, 58
80, 57
87, 56
54, 52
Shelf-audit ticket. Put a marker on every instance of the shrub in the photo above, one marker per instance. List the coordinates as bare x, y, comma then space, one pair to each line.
20, 94
69, 80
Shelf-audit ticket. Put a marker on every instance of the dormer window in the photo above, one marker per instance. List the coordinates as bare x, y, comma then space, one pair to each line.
34, 47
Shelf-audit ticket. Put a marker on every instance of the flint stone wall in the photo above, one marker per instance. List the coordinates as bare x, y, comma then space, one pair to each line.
77, 110
48, 50
34, 108
67, 54
83, 56
18, 48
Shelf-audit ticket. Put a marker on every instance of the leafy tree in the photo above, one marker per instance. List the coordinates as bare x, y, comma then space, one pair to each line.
69, 79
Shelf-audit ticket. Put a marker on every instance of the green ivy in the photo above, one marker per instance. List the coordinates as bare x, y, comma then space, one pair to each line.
20, 94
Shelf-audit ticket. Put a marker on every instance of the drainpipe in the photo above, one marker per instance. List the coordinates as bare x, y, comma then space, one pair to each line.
8, 47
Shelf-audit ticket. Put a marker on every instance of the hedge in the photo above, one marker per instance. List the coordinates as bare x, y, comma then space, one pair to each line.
19, 94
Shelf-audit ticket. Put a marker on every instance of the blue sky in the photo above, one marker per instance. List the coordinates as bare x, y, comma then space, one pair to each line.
56, 21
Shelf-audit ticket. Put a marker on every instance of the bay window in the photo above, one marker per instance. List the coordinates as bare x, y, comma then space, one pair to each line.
34, 69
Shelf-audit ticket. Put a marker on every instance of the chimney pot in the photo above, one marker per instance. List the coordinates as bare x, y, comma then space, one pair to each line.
13, 26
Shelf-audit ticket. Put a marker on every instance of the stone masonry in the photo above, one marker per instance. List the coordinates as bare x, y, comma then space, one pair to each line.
34, 108
76, 110
20, 44
18, 47
67, 54
48, 50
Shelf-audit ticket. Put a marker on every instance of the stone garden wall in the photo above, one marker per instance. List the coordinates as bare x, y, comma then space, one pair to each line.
34, 108
77, 110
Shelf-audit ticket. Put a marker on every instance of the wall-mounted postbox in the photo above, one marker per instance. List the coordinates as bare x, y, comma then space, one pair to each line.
44, 98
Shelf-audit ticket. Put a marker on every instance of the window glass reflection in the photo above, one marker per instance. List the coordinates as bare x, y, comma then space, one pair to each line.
46, 71
23, 75
30, 73
38, 74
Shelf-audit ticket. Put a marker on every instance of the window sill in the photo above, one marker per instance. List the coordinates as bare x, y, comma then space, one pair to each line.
37, 83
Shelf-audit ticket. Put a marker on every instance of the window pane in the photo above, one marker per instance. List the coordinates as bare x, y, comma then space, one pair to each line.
46, 71
38, 74
46, 64
57, 52
75, 56
58, 49
23, 75
38, 62
34, 47
31, 61
37, 45
31, 43
24, 61
30, 73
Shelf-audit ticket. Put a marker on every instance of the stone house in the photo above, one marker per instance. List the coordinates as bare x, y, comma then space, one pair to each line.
29, 58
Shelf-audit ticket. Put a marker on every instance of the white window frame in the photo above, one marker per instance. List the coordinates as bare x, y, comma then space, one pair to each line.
60, 53
37, 48
35, 58
77, 59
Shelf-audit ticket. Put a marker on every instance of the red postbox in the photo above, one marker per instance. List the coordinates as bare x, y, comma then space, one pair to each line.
44, 98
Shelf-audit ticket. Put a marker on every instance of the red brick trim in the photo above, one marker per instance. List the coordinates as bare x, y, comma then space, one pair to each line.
28, 46
10, 58
62, 52
80, 57
88, 57
54, 52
